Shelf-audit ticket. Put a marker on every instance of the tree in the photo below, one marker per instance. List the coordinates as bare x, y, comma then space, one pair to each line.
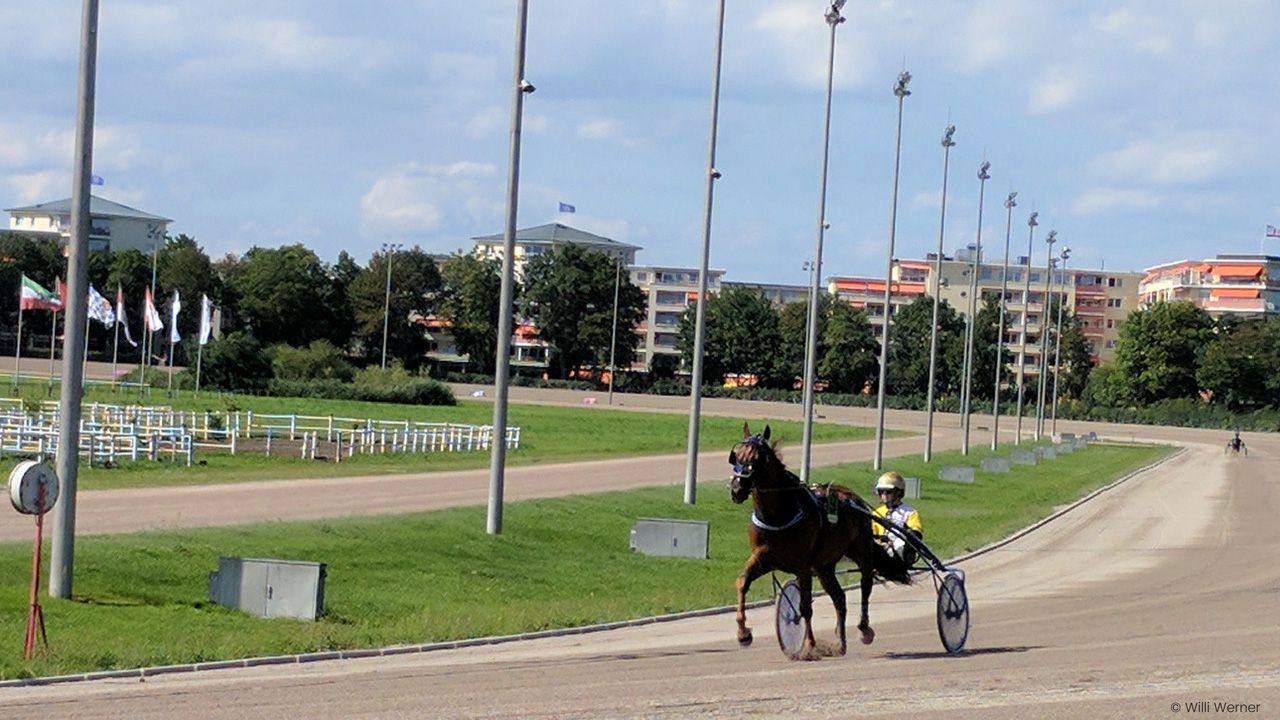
1159, 351
568, 294
847, 346
984, 348
740, 336
235, 361
469, 301
849, 360
1238, 367
183, 266
415, 290
909, 339
1076, 360
287, 295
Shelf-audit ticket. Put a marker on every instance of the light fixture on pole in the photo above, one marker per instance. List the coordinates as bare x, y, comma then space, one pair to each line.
833, 19
1026, 310
700, 315
900, 90
1049, 239
1009, 205
502, 358
613, 332
947, 144
966, 384
388, 251
1057, 339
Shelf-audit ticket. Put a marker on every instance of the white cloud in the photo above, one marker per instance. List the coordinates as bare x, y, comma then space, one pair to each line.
1100, 200
603, 129
1140, 32
486, 123
415, 199
927, 200
1056, 90
1169, 161
31, 188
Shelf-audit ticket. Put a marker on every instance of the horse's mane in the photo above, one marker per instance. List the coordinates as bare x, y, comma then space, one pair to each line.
842, 491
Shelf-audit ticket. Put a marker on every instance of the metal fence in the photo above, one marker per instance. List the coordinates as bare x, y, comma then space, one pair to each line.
110, 433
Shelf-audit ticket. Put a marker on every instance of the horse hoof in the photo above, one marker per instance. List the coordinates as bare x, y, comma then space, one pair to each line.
868, 636
744, 638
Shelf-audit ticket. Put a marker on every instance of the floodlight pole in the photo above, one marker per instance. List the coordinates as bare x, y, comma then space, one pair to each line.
833, 19
62, 558
613, 334
947, 144
389, 250
1026, 310
1050, 239
966, 384
1057, 345
502, 364
700, 315
1009, 204
901, 91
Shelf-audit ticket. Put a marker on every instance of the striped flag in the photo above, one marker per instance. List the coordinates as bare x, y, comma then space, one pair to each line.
151, 318
35, 297
120, 316
1272, 231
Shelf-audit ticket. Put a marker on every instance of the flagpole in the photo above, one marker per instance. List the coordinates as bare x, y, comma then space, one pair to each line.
84, 363
53, 341
115, 351
17, 355
199, 353
170, 390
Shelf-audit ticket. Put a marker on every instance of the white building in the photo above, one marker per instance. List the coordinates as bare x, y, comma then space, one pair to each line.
112, 226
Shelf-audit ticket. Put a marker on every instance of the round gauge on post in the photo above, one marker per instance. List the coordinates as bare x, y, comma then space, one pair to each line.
33, 487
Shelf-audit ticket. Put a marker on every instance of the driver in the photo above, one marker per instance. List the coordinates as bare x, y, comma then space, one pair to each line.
1236, 443
891, 488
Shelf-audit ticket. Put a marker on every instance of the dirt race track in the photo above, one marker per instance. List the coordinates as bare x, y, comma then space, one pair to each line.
1156, 599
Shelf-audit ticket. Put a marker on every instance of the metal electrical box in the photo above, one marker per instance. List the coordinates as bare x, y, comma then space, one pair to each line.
672, 538
269, 588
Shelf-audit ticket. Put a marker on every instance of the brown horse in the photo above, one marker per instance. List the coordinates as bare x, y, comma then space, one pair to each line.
790, 532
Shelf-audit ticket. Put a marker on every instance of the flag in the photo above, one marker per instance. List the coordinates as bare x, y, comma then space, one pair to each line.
96, 180
151, 318
100, 308
567, 208
35, 297
174, 306
206, 320
120, 316
62, 293
1272, 231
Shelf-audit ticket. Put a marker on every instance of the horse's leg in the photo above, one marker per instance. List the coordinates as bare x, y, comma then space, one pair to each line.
754, 568
805, 581
829, 583
867, 570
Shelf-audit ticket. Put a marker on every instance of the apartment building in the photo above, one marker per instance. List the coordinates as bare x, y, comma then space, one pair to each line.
112, 226
1238, 285
534, 241
670, 291
1101, 299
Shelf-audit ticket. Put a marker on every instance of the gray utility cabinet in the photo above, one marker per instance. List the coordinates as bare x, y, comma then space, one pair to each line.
269, 588
676, 538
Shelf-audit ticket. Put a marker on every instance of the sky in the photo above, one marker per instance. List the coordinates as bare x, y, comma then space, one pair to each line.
1142, 132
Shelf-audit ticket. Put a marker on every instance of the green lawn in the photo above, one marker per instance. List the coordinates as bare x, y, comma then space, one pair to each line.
141, 600
549, 434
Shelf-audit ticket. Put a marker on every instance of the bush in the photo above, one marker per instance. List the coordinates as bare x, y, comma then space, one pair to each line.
321, 360
419, 391
235, 362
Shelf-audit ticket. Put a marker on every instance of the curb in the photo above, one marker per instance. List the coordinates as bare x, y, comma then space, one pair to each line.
302, 658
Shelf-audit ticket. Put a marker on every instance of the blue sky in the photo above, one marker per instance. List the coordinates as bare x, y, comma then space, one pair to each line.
1143, 132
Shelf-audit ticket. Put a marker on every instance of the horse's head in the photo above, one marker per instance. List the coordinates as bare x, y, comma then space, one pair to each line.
752, 455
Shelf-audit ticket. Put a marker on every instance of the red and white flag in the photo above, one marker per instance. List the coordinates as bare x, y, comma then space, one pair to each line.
151, 318
120, 316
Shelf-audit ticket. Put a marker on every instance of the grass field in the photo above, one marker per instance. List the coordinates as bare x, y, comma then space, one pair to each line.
548, 434
140, 600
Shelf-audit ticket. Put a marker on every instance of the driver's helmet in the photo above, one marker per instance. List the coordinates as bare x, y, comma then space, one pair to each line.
891, 481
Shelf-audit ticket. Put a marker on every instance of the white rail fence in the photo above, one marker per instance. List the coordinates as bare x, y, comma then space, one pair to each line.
110, 433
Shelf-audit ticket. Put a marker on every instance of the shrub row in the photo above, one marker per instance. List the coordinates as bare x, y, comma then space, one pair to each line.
421, 391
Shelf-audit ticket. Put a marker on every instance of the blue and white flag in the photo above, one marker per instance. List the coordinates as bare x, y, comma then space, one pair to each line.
567, 208
100, 308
